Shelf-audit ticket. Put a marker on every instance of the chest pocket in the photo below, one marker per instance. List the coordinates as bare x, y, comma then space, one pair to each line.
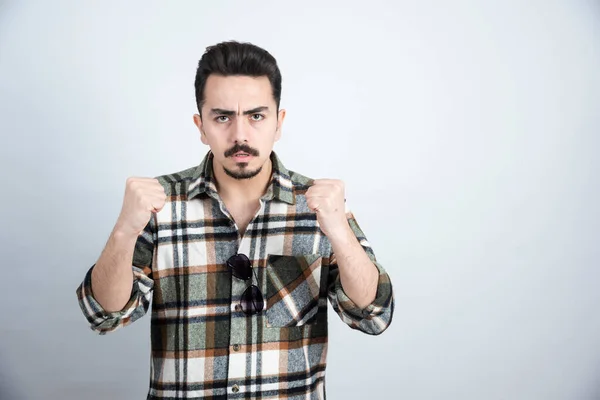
293, 289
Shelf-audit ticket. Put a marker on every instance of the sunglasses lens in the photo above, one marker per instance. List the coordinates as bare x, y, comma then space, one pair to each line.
252, 300
240, 266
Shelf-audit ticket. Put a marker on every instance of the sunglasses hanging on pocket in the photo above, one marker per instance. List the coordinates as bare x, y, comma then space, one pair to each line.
252, 300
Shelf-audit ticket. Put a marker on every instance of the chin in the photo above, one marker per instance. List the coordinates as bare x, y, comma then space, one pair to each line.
243, 173
243, 170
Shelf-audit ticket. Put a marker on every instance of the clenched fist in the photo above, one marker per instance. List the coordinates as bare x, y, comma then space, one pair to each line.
326, 198
143, 196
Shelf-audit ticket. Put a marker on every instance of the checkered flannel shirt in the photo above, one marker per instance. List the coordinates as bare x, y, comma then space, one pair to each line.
203, 346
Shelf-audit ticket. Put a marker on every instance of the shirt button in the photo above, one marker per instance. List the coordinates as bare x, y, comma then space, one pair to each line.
238, 307
235, 388
236, 347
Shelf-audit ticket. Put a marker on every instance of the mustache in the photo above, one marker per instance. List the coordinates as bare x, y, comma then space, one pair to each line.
241, 148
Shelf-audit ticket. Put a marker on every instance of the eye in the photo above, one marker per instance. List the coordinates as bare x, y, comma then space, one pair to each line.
222, 118
257, 117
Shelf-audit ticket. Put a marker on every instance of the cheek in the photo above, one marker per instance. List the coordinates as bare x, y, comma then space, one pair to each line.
216, 135
267, 132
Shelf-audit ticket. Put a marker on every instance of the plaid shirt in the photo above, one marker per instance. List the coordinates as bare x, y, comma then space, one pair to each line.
203, 346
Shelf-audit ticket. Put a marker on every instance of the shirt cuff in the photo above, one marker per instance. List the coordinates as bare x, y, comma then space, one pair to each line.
379, 305
102, 320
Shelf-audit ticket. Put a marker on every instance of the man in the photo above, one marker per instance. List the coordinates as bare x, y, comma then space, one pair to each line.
238, 254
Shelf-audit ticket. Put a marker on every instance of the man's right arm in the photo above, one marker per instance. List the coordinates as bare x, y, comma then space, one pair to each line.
112, 277
116, 290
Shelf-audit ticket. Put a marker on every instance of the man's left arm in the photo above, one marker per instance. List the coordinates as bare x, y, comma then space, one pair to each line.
358, 274
359, 288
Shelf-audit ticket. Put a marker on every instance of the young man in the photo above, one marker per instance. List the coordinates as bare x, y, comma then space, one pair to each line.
238, 254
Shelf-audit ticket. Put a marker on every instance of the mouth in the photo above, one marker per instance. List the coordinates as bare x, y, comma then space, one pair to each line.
241, 156
241, 153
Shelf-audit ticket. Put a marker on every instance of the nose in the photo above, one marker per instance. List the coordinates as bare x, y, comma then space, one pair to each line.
240, 129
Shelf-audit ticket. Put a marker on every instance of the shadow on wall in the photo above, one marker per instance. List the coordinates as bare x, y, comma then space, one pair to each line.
595, 8
8, 387
3, 6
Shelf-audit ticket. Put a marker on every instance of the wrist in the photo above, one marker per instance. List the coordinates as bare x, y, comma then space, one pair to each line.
341, 235
122, 233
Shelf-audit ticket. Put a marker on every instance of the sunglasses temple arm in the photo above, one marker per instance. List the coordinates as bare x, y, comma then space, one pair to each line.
257, 283
254, 272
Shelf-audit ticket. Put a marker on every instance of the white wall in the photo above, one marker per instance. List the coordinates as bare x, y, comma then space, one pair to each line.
466, 132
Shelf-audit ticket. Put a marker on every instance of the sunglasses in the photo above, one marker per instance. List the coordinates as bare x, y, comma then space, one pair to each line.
252, 301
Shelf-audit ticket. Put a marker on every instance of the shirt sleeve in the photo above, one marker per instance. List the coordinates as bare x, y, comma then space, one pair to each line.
375, 317
100, 320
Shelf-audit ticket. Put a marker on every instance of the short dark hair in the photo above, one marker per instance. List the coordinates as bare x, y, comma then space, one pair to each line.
236, 58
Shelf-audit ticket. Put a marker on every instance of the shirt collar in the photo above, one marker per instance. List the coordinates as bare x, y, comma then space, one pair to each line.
280, 187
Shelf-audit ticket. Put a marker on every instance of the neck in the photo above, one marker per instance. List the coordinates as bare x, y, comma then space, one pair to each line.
246, 190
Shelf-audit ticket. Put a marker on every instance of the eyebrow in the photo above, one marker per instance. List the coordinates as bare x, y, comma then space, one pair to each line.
221, 111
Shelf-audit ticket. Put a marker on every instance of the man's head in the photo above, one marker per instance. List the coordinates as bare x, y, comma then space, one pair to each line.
238, 91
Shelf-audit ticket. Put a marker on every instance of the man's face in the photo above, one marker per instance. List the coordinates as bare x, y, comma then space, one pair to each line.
239, 123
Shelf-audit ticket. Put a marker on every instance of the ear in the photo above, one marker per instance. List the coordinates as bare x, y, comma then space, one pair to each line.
199, 125
280, 118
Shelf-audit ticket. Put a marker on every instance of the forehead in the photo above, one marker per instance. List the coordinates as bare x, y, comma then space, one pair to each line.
232, 91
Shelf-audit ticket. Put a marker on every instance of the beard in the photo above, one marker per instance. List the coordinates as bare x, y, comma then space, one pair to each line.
243, 172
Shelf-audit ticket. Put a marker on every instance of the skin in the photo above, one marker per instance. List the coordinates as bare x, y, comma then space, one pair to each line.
239, 115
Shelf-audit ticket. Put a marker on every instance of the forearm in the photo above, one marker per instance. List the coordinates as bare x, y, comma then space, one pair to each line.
358, 275
112, 276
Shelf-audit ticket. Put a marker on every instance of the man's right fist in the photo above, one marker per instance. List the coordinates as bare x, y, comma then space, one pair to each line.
143, 196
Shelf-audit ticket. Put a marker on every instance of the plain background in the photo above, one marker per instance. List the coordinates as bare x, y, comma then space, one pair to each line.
466, 132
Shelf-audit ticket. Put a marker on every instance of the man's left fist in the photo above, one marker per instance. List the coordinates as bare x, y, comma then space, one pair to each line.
326, 197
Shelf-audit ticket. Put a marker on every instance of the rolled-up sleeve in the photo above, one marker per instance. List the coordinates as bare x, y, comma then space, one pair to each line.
103, 322
375, 318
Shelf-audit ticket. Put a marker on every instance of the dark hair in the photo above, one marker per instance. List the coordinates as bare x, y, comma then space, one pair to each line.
236, 58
